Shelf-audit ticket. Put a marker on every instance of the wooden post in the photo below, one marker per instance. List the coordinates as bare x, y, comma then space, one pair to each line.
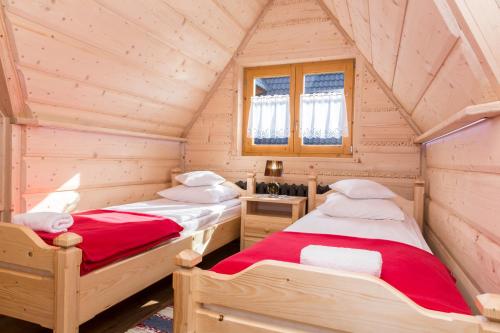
67, 280
184, 292
174, 173
312, 184
418, 202
489, 306
250, 183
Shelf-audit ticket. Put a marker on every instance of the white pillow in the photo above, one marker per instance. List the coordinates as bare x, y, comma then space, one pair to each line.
338, 205
200, 194
362, 189
200, 178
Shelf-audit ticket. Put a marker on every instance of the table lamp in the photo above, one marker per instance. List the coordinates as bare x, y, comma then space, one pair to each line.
273, 169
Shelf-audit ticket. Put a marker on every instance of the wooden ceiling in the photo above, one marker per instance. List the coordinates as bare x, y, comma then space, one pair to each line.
424, 51
143, 66
150, 66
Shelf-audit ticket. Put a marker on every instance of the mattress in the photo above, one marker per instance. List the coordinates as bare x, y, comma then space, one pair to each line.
406, 232
191, 216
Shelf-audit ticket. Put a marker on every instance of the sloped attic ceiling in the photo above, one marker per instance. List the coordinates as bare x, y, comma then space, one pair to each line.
429, 53
150, 66
141, 66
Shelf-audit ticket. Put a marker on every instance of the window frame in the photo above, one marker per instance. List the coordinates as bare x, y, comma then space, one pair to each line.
296, 73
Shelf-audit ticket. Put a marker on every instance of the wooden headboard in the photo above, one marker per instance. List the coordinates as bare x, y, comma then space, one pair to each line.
413, 207
250, 182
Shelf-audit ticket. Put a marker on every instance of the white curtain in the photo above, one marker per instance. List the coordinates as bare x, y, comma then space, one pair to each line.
323, 115
269, 117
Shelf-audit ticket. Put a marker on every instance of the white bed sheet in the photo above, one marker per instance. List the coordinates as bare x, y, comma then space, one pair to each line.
191, 216
406, 231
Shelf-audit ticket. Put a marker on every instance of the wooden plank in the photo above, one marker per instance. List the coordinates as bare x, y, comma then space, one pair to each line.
479, 255
341, 10
17, 150
267, 287
460, 119
472, 196
209, 240
27, 297
46, 174
12, 97
474, 149
386, 26
92, 198
37, 44
84, 119
172, 28
464, 283
233, 322
5, 168
460, 83
37, 47
360, 20
54, 90
67, 284
58, 125
19, 245
479, 23
43, 142
489, 305
95, 25
107, 286
245, 12
208, 17
423, 49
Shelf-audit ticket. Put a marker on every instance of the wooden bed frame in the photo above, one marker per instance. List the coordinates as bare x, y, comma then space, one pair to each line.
272, 296
42, 284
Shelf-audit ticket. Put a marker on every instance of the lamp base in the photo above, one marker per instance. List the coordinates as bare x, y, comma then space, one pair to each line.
273, 189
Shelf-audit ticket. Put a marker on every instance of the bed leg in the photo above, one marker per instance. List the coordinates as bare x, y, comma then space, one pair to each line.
184, 296
67, 278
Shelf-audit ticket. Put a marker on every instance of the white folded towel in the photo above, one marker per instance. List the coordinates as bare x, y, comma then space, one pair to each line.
45, 221
346, 259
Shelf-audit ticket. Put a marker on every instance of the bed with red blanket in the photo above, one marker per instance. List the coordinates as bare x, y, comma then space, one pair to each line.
110, 235
415, 272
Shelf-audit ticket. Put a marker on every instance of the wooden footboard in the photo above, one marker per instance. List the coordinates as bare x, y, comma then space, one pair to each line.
38, 282
273, 296
42, 284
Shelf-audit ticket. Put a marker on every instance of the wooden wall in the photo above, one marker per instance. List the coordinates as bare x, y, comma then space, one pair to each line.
104, 90
64, 170
463, 173
297, 31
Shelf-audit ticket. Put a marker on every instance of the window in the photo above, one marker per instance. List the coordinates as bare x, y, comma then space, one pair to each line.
299, 109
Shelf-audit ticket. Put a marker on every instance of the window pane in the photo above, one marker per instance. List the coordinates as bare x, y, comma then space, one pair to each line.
323, 109
269, 86
323, 83
270, 115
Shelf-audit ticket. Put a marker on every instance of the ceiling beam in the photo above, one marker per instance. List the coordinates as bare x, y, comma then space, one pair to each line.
222, 75
388, 91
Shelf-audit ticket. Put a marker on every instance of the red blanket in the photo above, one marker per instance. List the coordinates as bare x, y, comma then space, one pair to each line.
110, 235
416, 273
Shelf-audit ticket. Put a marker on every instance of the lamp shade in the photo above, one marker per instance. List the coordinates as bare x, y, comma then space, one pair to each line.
274, 168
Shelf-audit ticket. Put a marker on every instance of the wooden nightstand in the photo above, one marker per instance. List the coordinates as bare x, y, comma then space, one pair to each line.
262, 215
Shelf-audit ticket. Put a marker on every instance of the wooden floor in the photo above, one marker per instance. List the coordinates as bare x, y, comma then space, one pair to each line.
131, 311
